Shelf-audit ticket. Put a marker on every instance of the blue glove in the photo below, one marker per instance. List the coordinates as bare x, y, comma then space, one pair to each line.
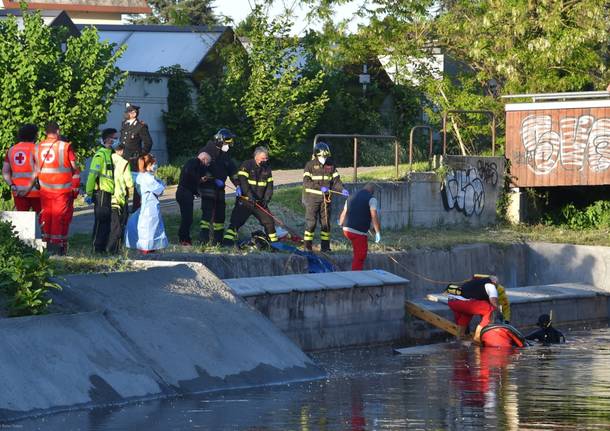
377, 238
324, 189
238, 191
345, 192
219, 183
88, 200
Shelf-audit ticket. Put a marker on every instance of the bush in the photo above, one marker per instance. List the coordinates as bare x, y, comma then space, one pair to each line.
595, 215
24, 274
169, 174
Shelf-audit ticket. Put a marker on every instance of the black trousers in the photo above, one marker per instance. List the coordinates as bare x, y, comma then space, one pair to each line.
118, 220
316, 210
241, 213
185, 199
213, 208
101, 227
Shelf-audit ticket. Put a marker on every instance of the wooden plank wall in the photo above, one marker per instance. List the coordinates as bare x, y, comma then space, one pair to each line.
561, 145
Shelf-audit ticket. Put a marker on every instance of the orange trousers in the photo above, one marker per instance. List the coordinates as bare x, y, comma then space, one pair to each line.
55, 216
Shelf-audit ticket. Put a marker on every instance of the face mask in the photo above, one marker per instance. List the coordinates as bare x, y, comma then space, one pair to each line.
225, 148
264, 164
322, 160
155, 167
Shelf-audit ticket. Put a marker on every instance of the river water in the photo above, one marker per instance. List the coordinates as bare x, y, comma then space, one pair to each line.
445, 387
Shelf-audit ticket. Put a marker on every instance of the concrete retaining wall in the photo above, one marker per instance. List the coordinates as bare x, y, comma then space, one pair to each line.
338, 309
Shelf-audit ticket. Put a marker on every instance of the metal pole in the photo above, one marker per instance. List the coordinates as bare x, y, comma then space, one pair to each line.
355, 159
430, 149
396, 157
493, 135
444, 133
411, 149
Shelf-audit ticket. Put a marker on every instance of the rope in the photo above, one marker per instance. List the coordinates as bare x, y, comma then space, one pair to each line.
424, 277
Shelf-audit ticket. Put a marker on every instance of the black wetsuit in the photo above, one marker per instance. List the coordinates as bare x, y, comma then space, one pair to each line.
547, 336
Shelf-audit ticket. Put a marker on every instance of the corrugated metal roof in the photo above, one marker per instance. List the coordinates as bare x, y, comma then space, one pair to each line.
154, 47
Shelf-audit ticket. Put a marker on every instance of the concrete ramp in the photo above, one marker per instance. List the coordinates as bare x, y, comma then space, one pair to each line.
166, 330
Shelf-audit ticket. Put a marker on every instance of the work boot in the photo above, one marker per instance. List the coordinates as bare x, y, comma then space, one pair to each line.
308, 245
218, 235
325, 246
204, 237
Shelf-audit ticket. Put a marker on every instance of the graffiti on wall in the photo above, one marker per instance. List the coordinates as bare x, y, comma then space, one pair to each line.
463, 190
581, 142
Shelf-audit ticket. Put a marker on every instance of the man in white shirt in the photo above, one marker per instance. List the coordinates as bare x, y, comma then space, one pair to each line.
476, 297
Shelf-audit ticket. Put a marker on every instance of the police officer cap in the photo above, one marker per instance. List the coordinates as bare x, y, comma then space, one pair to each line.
321, 149
224, 136
129, 107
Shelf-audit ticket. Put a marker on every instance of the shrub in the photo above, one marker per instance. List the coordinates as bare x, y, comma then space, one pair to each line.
24, 274
595, 215
169, 174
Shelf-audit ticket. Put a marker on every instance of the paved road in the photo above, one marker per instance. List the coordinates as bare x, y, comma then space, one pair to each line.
83, 216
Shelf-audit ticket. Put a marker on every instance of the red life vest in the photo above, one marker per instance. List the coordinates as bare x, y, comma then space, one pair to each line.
55, 170
21, 159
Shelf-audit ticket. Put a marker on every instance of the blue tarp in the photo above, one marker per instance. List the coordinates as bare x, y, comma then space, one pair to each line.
315, 263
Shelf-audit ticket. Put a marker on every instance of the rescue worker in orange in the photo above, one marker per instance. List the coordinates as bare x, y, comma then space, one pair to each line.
59, 180
18, 170
477, 296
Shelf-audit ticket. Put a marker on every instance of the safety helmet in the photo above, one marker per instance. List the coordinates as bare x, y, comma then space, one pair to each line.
321, 150
224, 136
544, 320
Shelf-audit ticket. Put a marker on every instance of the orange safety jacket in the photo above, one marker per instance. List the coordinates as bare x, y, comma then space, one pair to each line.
55, 173
21, 159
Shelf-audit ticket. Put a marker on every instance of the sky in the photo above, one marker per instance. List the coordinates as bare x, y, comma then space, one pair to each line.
239, 9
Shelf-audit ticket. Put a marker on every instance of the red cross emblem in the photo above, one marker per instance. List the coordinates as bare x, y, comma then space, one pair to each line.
49, 156
19, 158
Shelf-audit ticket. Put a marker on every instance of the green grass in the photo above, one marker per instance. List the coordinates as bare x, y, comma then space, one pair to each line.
389, 172
286, 206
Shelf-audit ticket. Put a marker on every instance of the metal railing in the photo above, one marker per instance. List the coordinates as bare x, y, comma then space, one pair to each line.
413, 129
476, 111
561, 96
355, 137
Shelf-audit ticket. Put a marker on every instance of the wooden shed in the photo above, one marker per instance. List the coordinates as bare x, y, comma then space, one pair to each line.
559, 140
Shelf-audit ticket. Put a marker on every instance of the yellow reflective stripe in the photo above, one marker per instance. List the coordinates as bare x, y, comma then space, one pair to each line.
219, 226
270, 180
324, 235
336, 174
257, 183
321, 177
308, 236
306, 174
273, 237
204, 224
243, 173
314, 191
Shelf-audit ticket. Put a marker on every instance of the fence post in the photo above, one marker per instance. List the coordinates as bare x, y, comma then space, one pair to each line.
355, 159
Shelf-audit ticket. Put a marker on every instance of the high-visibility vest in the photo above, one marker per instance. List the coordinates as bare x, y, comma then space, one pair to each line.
55, 171
21, 159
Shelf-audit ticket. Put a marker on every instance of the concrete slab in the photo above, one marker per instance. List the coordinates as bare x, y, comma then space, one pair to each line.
55, 362
244, 287
331, 280
360, 278
191, 329
387, 277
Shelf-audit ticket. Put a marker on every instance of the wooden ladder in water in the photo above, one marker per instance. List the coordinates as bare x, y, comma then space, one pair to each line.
432, 318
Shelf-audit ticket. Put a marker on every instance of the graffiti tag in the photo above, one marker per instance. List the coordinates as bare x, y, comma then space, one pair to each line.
488, 172
580, 141
463, 190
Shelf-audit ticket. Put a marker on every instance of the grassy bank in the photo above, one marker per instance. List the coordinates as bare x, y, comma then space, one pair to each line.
286, 206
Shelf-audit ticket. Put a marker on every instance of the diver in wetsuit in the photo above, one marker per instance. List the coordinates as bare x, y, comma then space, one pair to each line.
546, 335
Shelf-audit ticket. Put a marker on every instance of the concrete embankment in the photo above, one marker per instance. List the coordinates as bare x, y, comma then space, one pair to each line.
166, 330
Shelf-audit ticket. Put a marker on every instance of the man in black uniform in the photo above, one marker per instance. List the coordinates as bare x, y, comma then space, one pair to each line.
256, 184
320, 177
212, 192
546, 335
193, 173
137, 141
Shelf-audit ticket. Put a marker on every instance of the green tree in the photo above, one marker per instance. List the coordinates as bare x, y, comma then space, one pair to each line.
47, 75
282, 103
180, 12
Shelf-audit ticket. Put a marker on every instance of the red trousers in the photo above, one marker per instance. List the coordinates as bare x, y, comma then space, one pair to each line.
56, 216
465, 310
25, 203
360, 246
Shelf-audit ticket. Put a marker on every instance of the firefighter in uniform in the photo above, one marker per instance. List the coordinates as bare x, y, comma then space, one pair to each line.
253, 196
137, 141
19, 167
320, 179
477, 296
212, 192
100, 189
59, 180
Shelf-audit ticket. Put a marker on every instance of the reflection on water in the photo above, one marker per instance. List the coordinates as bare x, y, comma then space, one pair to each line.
453, 387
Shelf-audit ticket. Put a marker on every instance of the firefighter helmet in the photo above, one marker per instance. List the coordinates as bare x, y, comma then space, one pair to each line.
321, 150
224, 136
